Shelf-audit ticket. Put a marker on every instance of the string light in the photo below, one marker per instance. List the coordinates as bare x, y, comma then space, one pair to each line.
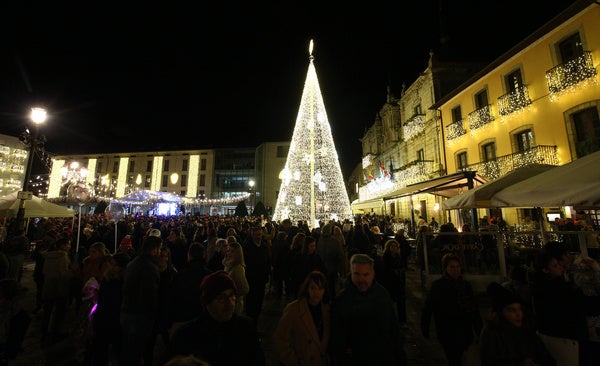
414, 126
514, 101
562, 78
312, 187
454, 130
480, 117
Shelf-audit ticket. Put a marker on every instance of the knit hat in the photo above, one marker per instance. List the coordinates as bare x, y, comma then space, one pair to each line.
501, 297
126, 242
215, 283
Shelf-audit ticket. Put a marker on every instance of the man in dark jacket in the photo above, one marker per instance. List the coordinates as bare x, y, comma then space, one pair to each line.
218, 336
365, 329
257, 255
185, 302
139, 307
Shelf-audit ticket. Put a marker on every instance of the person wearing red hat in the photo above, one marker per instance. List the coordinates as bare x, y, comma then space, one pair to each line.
218, 335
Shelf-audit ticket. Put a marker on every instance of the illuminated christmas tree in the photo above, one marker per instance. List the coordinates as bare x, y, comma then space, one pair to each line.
312, 186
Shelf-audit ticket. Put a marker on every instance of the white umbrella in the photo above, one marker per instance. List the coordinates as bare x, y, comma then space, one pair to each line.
573, 184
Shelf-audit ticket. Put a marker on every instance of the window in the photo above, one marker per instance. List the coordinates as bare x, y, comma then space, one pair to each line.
166, 166
165, 180
489, 152
130, 179
417, 110
513, 81
570, 48
149, 166
202, 180
131, 166
147, 181
282, 151
184, 165
420, 155
99, 167
202, 164
182, 193
456, 114
183, 180
587, 131
461, 160
116, 167
481, 99
524, 140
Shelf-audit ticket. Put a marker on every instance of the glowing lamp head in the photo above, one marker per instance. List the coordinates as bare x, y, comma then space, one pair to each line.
38, 115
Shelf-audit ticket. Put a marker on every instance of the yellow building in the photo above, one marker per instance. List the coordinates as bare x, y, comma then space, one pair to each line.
537, 103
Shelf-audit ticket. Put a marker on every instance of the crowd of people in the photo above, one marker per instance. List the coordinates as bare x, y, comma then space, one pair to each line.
197, 284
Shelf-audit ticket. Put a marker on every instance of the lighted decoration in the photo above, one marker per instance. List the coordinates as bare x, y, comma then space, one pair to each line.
414, 127
312, 187
563, 78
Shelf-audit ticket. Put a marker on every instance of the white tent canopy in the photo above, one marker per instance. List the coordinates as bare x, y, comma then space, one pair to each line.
573, 184
35, 207
480, 196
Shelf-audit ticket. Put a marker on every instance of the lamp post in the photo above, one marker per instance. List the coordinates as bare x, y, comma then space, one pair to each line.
251, 183
77, 191
37, 116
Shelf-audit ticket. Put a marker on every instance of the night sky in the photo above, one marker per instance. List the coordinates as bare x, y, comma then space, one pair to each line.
118, 77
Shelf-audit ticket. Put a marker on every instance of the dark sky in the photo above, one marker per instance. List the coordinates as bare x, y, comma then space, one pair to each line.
118, 77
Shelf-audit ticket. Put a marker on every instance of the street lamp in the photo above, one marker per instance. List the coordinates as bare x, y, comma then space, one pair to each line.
37, 116
251, 183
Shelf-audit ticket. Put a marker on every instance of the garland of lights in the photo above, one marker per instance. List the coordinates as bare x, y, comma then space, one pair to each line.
312, 187
414, 126
514, 101
565, 76
480, 117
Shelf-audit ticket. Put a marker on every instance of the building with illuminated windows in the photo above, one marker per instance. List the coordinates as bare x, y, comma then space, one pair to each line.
210, 180
13, 163
538, 103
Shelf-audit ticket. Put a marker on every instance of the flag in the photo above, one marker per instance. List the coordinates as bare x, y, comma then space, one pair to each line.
385, 172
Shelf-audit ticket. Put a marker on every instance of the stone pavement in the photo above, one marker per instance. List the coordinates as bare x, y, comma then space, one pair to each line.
420, 351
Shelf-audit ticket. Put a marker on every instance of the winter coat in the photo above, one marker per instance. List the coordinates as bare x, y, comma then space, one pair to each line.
238, 274
58, 275
296, 337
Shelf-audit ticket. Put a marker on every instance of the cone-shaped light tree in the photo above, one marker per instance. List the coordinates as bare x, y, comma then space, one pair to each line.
312, 186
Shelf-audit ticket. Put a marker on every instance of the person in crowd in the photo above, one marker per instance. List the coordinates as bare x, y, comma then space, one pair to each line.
85, 315
15, 250
96, 263
421, 240
507, 338
365, 328
258, 267
178, 247
279, 253
405, 249
359, 240
163, 320
58, 276
393, 277
303, 331
4, 265
215, 262
433, 225
586, 276
309, 258
139, 307
106, 340
294, 266
453, 305
186, 361
331, 252
558, 312
14, 320
185, 289
235, 266
38, 256
341, 237
560, 252
218, 335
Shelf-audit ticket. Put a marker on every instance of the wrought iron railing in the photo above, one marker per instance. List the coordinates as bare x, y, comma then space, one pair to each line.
455, 129
514, 101
565, 75
493, 169
480, 117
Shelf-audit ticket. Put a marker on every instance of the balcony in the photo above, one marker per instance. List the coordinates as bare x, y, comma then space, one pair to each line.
566, 75
454, 130
514, 101
493, 169
480, 117
414, 126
